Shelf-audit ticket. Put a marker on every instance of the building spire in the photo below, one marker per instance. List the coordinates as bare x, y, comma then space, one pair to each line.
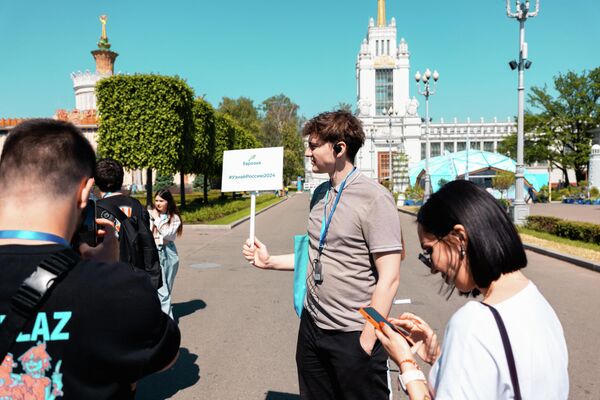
103, 44
381, 21
105, 58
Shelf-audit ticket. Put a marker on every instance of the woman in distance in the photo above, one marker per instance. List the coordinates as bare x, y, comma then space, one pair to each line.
467, 237
165, 223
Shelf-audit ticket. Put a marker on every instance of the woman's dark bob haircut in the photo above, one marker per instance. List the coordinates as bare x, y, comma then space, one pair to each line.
493, 246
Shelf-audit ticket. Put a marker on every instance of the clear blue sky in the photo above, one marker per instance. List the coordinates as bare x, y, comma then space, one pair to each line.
304, 49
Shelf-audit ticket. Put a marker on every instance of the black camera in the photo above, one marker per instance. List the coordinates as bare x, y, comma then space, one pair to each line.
87, 231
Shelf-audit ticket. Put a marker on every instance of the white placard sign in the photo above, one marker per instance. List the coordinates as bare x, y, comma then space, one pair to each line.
252, 170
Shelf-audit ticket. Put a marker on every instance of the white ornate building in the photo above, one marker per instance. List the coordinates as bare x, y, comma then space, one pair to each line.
383, 82
594, 167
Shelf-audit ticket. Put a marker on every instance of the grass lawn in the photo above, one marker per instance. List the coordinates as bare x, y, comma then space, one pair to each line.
228, 219
590, 251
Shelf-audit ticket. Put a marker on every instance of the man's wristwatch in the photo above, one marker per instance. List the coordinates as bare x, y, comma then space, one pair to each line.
410, 376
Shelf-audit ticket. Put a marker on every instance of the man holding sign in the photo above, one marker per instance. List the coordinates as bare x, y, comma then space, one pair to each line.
355, 252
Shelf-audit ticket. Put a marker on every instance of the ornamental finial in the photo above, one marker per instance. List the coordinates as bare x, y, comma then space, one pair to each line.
103, 43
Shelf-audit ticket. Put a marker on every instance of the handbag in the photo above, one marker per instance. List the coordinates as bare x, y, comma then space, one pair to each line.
300, 266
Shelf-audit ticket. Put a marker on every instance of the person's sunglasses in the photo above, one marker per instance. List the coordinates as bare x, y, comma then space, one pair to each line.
425, 255
425, 258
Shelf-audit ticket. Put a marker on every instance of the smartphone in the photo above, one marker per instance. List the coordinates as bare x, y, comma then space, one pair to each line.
87, 232
373, 316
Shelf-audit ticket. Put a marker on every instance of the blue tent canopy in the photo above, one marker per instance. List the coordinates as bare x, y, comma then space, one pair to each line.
452, 165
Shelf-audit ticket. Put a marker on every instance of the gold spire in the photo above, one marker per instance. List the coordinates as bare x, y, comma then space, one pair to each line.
103, 19
381, 13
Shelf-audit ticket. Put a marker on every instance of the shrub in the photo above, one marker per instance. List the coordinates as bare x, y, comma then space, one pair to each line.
414, 192
582, 231
198, 183
504, 203
564, 192
210, 213
163, 181
542, 223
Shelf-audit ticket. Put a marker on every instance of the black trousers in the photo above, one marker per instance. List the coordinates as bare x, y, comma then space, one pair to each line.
333, 365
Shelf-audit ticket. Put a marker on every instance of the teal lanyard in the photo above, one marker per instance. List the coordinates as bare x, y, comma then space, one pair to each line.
326, 221
33, 235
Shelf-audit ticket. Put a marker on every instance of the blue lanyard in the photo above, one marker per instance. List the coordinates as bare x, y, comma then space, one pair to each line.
32, 235
326, 221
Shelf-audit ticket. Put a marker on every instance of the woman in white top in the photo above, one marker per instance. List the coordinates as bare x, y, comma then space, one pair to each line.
469, 238
165, 223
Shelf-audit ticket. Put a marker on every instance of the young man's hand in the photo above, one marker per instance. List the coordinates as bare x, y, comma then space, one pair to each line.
108, 250
256, 253
367, 339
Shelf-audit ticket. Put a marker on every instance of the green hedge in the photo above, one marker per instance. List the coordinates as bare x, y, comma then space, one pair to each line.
582, 231
210, 213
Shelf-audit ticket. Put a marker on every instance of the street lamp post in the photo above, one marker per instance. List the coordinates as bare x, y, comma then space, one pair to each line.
390, 113
427, 91
468, 148
371, 132
520, 209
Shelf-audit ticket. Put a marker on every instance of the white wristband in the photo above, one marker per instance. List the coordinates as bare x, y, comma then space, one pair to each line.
411, 376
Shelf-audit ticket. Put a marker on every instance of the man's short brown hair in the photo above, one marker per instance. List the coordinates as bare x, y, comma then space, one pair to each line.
46, 152
337, 126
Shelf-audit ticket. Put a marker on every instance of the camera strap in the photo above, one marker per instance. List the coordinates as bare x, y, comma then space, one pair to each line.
32, 294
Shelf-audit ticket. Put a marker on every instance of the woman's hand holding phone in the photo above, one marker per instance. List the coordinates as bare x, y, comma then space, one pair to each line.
427, 346
394, 344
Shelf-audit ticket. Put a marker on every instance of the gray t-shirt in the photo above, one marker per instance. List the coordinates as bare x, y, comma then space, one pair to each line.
365, 222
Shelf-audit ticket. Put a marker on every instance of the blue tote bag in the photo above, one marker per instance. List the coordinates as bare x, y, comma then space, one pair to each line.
300, 265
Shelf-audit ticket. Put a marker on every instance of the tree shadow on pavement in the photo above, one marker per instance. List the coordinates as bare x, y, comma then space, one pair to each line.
281, 396
164, 385
187, 308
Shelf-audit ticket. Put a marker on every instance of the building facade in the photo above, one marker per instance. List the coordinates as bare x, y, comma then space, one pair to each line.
394, 127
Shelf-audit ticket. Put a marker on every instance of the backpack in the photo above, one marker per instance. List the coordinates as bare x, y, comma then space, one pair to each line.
136, 243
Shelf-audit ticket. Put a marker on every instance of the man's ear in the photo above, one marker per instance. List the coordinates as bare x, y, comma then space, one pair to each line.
83, 193
339, 149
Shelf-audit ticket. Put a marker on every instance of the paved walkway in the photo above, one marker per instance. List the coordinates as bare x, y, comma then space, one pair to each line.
239, 329
574, 212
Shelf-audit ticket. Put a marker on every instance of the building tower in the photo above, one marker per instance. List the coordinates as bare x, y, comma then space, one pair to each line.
594, 167
84, 83
390, 118
382, 68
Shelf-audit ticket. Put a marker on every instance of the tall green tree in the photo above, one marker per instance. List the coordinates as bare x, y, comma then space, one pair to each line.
229, 136
279, 114
243, 111
281, 127
343, 106
146, 121
503, 181
205, 143
559, 125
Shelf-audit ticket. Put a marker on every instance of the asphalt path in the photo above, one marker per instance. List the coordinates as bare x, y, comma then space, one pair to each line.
574, 212
239, 328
